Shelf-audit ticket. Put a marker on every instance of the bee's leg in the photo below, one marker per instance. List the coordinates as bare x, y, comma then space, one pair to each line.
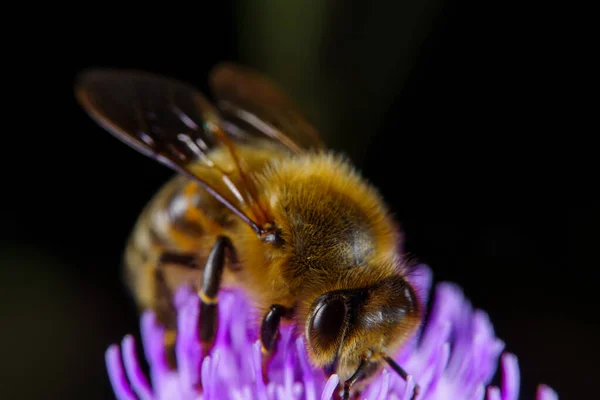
185, 260
211, 282
269, 334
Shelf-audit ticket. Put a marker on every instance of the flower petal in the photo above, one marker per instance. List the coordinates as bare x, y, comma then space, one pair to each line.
261, 392
188, 349
309, 380
134, 371
116, 374
510, 377
153, 341
453, 356
385, 385
493, 393
546, 393
330, 387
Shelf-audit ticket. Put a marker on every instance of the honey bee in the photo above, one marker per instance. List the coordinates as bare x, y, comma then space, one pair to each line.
260, 203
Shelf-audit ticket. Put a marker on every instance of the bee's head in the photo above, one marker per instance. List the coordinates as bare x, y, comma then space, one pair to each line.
345, 326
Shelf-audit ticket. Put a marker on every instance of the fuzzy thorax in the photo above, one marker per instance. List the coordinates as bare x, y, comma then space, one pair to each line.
336, 234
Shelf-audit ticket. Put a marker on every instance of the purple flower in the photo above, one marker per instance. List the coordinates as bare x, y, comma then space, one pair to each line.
454, 357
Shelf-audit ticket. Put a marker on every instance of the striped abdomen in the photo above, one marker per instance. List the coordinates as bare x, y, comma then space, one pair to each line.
176, 221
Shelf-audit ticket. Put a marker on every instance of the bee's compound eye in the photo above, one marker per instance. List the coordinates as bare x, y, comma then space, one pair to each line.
327, 322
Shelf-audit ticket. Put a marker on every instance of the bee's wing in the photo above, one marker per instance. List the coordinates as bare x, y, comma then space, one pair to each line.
244, 95
172, 122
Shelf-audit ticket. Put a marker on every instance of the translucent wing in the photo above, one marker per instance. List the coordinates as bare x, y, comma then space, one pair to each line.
172, 122
244, 95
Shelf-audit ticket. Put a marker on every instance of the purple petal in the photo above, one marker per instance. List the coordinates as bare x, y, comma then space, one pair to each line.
330, 387
206, 377
116, 374
309, 381
134, 371
510, 377
385, 385
212, 389
153, 341
182, 295
479, 393
410, 388
454, 356
188, 349
546, 393
488, 347
493, 393
421, 277
441, 313
260, 385
440, 366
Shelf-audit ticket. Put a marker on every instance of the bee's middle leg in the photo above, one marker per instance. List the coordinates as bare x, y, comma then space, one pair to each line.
208, 291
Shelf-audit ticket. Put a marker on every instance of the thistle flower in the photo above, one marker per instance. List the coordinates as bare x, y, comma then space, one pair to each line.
454, 357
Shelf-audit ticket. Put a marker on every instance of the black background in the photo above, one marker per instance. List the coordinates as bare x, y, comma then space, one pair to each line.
471, 155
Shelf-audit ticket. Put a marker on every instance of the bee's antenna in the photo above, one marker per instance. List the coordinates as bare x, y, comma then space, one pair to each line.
400, 371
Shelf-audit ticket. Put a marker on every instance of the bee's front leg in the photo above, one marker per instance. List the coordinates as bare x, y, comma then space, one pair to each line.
269, 334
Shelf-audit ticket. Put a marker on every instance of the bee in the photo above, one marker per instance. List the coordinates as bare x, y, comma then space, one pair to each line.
260, 203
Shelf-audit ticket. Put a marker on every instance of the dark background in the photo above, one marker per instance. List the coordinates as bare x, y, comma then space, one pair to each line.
451, 108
